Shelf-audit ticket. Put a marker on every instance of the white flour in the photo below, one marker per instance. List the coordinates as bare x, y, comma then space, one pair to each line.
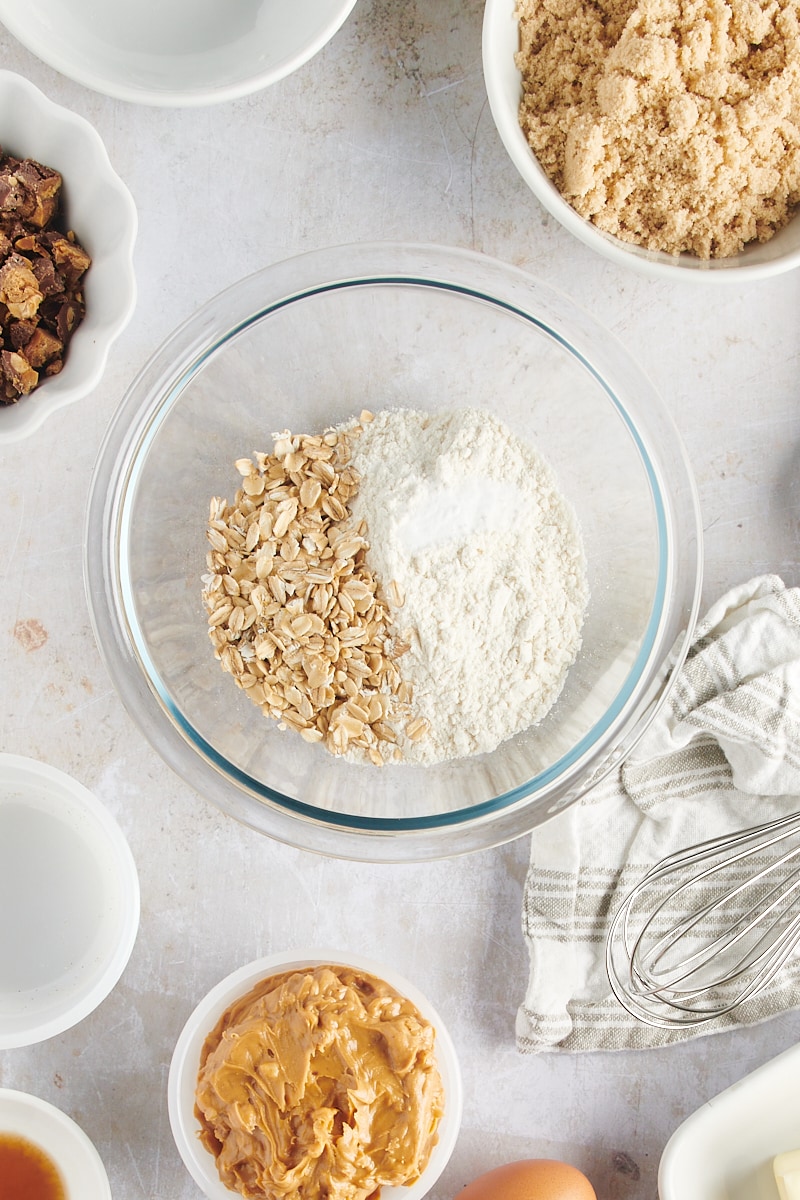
470, 523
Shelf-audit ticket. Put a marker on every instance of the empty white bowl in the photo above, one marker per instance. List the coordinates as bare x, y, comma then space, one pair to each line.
200, 1164
61, 1141
187, 52
100, 209
68, 877
504, 89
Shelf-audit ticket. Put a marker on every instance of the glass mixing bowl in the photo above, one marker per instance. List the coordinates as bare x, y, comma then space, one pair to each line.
308, 343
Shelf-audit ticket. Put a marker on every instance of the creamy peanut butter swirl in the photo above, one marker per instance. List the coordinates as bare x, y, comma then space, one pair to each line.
319, 1085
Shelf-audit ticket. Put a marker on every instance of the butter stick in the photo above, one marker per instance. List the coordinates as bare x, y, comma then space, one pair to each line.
786, 1168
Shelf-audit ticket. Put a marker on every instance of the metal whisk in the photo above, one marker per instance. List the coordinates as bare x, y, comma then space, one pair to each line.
708, 927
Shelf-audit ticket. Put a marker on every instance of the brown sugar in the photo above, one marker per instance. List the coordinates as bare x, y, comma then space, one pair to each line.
674, 124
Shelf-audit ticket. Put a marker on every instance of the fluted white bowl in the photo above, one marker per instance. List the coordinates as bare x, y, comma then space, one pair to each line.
101, 211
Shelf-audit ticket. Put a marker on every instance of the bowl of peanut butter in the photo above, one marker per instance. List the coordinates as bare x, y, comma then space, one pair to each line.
310, 1075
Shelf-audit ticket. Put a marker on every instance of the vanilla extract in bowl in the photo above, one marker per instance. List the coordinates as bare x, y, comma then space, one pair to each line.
27, 1172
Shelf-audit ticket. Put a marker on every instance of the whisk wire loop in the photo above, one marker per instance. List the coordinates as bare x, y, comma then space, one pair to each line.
737, 924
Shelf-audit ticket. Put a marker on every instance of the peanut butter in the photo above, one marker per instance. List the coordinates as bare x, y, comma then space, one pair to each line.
319, 1085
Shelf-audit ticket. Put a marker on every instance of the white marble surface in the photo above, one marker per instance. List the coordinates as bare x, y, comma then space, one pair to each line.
386, 134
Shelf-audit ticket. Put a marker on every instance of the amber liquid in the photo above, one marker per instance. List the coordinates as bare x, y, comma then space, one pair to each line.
26, 1172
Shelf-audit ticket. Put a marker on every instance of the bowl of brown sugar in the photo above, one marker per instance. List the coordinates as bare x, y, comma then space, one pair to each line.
665, 135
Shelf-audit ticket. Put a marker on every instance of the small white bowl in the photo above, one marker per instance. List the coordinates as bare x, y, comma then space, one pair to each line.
62, 1141
504, 89
68, 877
186, 52
100, 209
186, 1061
59, 1138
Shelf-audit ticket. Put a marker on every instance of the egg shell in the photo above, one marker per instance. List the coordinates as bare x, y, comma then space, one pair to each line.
531, 1179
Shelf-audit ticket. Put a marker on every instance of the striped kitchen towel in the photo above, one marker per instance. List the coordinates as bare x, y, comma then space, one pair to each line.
722, 753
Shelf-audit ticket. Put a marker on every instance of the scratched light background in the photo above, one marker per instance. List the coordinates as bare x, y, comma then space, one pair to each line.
385, 135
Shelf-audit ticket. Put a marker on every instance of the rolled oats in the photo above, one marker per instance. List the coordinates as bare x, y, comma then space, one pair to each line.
295, 614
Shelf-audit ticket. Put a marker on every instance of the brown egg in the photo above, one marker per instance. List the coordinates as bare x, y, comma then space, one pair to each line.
532, 1179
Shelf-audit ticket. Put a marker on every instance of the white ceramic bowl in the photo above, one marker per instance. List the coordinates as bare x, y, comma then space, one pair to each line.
63, 1142
68, 877
186, 52
504, 89
725, 1150
186, 1061
100, 209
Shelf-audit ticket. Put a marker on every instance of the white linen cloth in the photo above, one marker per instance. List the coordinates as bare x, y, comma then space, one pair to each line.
723, 753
